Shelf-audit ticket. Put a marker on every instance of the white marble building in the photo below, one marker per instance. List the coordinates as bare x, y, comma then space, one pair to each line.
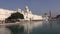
4, 13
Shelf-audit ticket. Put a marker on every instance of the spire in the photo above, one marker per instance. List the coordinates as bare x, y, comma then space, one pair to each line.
26, 10
50, 13
26, 7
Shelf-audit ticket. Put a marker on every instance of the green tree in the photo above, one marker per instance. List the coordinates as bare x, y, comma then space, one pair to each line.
15, 29
14, 17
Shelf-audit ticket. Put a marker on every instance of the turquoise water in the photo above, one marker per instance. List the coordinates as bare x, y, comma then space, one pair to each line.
36, 27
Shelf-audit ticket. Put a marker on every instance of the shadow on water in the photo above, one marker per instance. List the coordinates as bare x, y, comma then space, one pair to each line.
16, 29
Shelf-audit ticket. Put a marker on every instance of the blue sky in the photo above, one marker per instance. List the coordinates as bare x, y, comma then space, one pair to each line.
36, 6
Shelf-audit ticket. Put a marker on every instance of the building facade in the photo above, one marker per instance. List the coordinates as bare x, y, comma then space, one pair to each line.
28, 15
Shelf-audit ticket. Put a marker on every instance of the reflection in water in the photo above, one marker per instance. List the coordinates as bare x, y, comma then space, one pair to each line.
29, 26
4, 30
43, 27
38, 27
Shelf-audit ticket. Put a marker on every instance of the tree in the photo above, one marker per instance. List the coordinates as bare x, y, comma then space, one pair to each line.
15, 29
14, 17
58, 16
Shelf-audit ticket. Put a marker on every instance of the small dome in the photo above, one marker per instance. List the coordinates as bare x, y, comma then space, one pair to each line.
26, 9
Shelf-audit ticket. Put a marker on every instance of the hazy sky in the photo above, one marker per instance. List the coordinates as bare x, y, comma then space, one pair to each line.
36, 6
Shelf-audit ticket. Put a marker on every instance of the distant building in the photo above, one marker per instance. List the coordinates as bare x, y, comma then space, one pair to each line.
4, 13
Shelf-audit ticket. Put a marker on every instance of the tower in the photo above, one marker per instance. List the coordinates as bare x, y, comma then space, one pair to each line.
49, 13
26, 11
